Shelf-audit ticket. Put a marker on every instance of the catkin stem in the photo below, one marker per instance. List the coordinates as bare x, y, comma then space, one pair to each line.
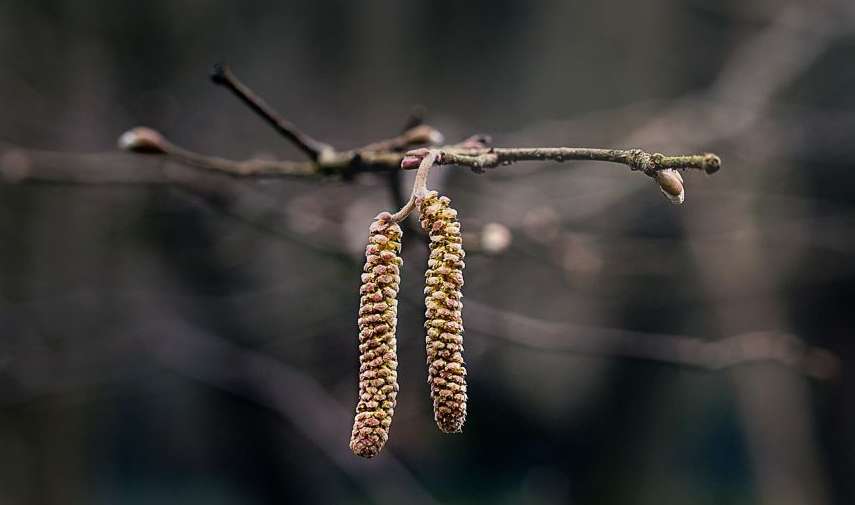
428, 160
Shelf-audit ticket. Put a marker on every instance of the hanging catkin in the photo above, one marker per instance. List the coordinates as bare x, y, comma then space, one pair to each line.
444, 341
378, 308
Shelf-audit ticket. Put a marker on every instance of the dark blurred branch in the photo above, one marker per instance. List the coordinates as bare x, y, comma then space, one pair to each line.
111, 168
784, 449
752, 347
33, 374
416, 117
396, 189
291, 394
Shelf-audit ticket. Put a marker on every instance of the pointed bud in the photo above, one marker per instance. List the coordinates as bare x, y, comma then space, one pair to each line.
671, 184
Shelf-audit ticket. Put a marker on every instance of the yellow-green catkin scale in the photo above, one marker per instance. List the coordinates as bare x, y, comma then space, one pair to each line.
444, 341
378, 310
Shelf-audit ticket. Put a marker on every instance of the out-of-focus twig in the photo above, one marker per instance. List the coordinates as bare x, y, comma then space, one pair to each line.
773, 404
249, 374
745, 348
290, 393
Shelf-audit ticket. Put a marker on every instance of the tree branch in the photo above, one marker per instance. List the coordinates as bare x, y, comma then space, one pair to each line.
386, 155
413, 136
636, 159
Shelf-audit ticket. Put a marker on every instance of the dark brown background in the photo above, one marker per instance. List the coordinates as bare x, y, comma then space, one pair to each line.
116, 299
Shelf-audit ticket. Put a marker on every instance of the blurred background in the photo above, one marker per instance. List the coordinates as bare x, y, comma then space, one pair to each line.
174, 336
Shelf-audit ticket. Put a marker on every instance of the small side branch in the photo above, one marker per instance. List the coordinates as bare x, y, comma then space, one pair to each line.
223, 76
409, 138
147, 141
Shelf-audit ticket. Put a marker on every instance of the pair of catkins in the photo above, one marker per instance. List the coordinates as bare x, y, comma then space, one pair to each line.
378, 377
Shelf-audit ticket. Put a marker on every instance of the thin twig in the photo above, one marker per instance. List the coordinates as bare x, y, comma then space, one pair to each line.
636, 159
253, 167
417, 135
221, 74
374, 159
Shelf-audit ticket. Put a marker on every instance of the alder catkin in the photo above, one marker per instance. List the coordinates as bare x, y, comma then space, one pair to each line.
444, 341
378, 308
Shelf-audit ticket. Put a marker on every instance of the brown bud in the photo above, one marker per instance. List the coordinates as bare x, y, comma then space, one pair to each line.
671, 184
444, 341
142, 140
378, 309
